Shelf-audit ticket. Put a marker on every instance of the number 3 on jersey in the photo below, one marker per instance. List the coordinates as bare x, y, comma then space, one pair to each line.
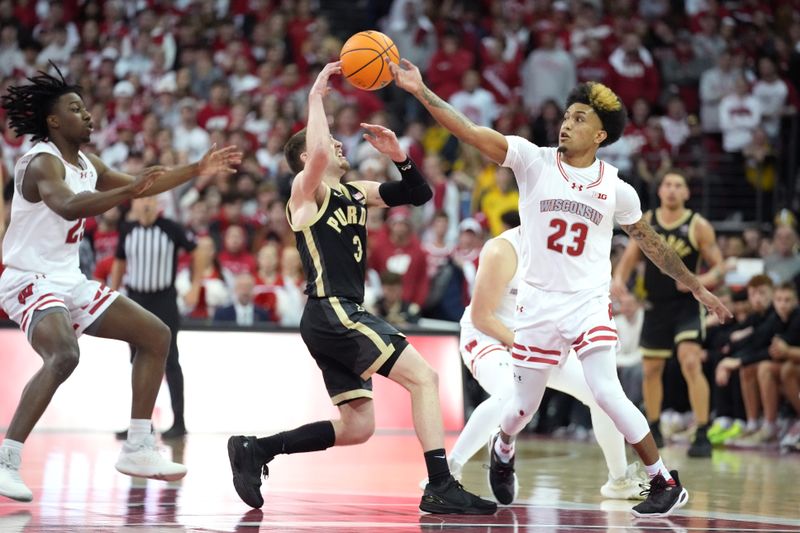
577, 231
75, 233
359, 253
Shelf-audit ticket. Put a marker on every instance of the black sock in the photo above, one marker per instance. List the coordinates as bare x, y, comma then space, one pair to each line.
309, 438
436, 463
655, 425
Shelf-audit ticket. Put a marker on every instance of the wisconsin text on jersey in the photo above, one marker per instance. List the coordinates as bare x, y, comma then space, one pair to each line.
572, 206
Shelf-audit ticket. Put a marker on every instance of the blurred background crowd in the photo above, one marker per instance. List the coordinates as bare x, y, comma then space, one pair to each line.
711, 88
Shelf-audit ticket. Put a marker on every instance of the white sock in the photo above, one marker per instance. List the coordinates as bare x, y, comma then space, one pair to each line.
724, 422
483, 420
139, 430
656, 468
504, 451
15, 447
752, 425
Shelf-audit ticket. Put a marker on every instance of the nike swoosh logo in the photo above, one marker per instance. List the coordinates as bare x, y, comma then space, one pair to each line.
439, 456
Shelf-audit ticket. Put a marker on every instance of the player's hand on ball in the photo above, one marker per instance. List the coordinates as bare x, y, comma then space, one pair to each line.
320, 87
146, 179
384, 140
407, 76
216, 161
713, 304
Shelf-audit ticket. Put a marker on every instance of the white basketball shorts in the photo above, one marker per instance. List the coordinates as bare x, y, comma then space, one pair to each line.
549, 324
23, 293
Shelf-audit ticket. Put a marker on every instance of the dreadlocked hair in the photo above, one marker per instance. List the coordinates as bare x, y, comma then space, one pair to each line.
606, 104
29, 105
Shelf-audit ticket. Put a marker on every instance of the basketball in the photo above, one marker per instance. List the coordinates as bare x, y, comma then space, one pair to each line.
365, 60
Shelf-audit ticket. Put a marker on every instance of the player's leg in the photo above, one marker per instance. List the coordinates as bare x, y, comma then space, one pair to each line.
492, 370
690, 358
653, 392
51, 335
442, 494
748, 382
790, 387
623, 481
768, 374
666, 492
127, 321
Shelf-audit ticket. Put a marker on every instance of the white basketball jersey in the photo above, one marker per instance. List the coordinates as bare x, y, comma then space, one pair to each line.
568, 216
37, 239
505, 311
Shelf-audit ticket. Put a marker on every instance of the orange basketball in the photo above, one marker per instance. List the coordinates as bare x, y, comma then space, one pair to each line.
365, 60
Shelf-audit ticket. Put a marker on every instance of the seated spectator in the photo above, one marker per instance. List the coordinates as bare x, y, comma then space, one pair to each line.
785, 352
729, 421
675, 124
399, 251
190, 139
448, 65
436, 244
548, 73
547, 125
475, 102
739, 114
747, 349
391, 307
468, 250
629, 321
234, 257
654, 159
501, 198
783, 264
633, 72
268, 279
773, 95
243, 311
213, 291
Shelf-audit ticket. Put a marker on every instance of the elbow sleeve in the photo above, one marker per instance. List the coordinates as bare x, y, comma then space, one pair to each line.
411, 189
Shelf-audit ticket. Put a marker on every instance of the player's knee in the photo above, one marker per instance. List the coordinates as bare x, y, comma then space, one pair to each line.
357, 430
764, 371
607, 396
158, 338
652, 371
690, 365
64, 362
425, 377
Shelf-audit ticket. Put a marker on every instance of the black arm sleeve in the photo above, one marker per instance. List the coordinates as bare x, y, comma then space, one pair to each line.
411, 189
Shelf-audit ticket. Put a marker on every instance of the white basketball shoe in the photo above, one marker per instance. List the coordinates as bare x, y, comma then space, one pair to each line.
11, 484
143, 460
627, 487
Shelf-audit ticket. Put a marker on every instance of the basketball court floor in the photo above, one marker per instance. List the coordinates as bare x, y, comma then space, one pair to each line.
374, 487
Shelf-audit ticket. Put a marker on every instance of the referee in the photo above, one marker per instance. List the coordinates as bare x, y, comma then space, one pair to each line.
147, 255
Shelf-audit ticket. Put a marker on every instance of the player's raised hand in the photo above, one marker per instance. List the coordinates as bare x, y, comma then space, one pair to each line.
407, 76
216, 161
713, 304
146, 178
320, 87
384, 140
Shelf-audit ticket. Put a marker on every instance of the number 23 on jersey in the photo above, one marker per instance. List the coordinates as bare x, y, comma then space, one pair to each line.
571, 239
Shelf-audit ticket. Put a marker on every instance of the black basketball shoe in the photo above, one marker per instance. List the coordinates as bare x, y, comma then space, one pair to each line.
663, 497
655, 429
247, 469
502, 478
701, 446
451, 498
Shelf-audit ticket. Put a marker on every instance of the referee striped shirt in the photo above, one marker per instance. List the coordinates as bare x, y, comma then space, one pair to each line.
151, 253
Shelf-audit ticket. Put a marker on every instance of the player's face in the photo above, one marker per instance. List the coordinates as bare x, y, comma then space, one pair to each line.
673, 191
581, 130
760, 297
71, 118
339, 160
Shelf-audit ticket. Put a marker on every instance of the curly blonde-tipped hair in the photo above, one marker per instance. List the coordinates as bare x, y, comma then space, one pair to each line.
606, 104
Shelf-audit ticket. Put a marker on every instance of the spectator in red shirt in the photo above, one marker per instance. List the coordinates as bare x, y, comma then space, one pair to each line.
216, 114
448, 65
400, 252
654, 157
234, 257
633, 72
594, 67
499, 74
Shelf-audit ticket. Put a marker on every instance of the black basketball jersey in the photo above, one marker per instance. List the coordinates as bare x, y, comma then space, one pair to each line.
333, 247
680, 237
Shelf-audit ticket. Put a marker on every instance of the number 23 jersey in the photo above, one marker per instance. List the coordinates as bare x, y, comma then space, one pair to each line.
38, 239
568, 216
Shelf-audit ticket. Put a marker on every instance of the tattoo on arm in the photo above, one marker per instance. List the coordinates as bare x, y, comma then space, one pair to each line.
660, 253
431, 100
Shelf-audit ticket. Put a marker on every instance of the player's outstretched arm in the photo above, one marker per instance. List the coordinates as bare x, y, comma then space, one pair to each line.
496, 268
44, 180
412, 187
490, 142
665, 258
213, 162
307, 183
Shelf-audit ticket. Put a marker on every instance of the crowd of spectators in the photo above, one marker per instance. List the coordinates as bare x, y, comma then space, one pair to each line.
711, 87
